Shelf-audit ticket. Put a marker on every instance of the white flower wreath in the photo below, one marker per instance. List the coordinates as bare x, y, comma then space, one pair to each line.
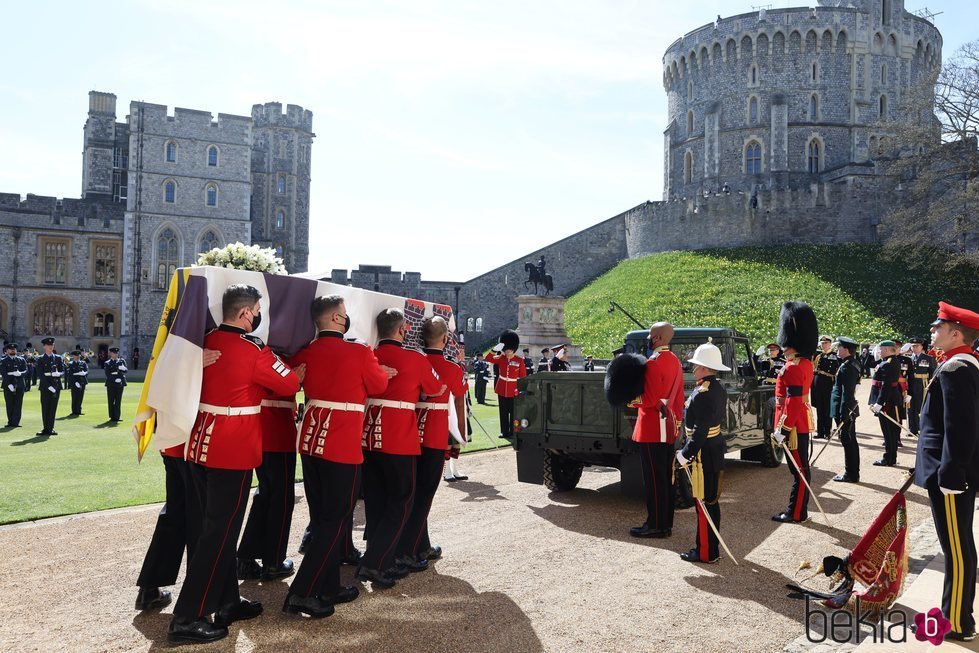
238, 256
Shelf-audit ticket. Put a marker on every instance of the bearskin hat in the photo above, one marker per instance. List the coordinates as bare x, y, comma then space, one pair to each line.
625, 378
510, 340
798, 328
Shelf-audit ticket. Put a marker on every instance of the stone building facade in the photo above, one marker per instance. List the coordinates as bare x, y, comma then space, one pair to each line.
157, 189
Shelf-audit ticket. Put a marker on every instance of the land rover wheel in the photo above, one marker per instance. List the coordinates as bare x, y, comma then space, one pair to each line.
560, 472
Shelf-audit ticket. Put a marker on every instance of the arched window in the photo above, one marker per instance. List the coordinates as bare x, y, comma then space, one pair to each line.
479, 324
689, 123
53, 318
883, 107
278, 250
166, 257
281, 184
211, 194
171, 152
815, 71
752, 158
212, 156
104, 325
169, 192
753, 109
209, 241
690, 90
470, 324
814, 152
688, 167
814, 107
280, 219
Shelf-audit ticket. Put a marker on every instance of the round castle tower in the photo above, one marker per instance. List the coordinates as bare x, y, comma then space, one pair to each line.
782, 98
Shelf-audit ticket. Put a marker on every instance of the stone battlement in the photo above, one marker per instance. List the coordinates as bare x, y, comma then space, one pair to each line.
156, 119
270, 115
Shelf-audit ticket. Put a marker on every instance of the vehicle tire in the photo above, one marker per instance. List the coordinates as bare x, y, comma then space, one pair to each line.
771, 454
560, 472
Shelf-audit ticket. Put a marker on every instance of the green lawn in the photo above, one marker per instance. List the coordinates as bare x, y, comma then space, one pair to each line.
91, 463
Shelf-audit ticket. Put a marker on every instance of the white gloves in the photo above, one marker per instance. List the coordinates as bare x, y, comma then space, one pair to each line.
680, 459
876, 408
77, 384
945, 490
118, 380
11, 386
779, 436
123, 368
56, 374
498, 347
53, 389
16, 373
907, 400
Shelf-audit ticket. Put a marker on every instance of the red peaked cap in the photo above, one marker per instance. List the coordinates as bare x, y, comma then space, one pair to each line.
949, 313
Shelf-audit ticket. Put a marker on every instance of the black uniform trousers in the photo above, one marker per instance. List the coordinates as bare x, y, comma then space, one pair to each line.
77, 396
266, 533
953, 516
799, 497
49, 406
177, 528
891, 432
822, 391
15, 405
914, 413
428, 478
656, 459
331, 491
389, 491
851, 450
506, 416
114, 392
212, 575
480, 388
707, 543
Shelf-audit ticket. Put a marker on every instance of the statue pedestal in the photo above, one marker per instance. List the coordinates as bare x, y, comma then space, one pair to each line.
540, 323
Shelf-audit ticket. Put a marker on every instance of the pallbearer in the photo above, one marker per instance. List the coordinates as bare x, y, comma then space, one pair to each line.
115, 381
511, 370
704, 449
77, 380
948, 460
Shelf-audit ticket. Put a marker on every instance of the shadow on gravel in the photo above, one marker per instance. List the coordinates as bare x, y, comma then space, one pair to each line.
476, 491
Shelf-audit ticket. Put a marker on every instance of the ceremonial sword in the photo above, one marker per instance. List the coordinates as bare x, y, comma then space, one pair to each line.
849, 416
803, 477
710, 521
896, 423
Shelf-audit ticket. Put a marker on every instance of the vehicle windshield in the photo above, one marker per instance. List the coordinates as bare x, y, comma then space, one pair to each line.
684, 350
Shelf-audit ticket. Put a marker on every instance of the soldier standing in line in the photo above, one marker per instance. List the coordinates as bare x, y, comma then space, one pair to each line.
481, 374
589, 364
922, 370
704, 449
77, 378
776, 361
31, 357
886, 400
528, 362
907, 367
560, 361
545, 362
825, 365
511, 371
14, 372
948, 460
867, 362
451, 473
797, 335
50, 369
843, 407
115, 381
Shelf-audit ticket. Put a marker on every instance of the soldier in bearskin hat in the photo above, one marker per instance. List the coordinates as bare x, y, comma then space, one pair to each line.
512, 369
798, 334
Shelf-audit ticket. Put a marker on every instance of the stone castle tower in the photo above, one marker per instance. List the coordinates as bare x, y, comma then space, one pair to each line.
786, 97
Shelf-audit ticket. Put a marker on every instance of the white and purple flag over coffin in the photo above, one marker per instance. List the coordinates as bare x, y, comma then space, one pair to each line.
171, 393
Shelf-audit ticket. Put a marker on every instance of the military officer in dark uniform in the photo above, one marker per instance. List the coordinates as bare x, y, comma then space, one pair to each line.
906, 365
589, 364
482, 374
559, 363
528, 362
13, 368
545, 363
843, 407
77, 378
50, 369
867, 362
948, 460
115, 381
886, 399
776, 361
922, 370
704, 449
826, 363
31, 357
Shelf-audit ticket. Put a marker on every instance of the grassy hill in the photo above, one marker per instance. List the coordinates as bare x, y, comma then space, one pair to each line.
855, 290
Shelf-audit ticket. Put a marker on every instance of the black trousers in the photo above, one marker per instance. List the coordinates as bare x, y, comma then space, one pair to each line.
266, 533
707, 544
331, 491
49, 406
114, 392
389, 491
656, 459
914, 413
799, 497
891, 432
77, 396
15, 405
506, 416
480, 388
953, 520
428, 478
212, 575
851, 450
177, 528
821, 393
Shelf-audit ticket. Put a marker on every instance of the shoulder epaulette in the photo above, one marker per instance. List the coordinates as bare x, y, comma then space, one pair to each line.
255, 340
703, 386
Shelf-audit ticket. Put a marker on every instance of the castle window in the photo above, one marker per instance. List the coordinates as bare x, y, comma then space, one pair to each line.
815, 71
54, 252
106, 264
814, 107
171, 152
212, 156
280, 219
479, 325
814, 162
278, 251
688, 167
281, 184
883, 73
753, 109
882, 108
104, 325
753, 75
690, 90
689, 123
470, 324
752, 158
885, 12
211, 194
169, 192
54, 318
166, 258
209, 241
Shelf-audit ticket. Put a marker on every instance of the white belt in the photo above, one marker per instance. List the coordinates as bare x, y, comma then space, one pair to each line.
507, 378
229, 410
273, 403
432, 406
334, 405
388, 403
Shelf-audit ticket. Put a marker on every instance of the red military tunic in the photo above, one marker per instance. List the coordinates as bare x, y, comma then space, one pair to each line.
792, 396
176, 451
390, 425
339, 376
279, 423
510, 372
228, 431
433, 412
663, 385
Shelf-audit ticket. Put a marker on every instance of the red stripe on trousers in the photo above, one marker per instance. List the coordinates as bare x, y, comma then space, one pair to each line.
223, 542
702, 532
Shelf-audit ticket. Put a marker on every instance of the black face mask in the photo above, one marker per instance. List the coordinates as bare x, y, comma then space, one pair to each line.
256, 322
346, 323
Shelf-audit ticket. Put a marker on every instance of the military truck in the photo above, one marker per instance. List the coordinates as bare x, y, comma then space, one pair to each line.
562, 421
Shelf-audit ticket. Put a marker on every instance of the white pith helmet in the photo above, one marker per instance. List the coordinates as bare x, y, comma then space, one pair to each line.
709, 356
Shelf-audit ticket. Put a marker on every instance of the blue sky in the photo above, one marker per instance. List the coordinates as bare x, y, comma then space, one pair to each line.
452, 136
